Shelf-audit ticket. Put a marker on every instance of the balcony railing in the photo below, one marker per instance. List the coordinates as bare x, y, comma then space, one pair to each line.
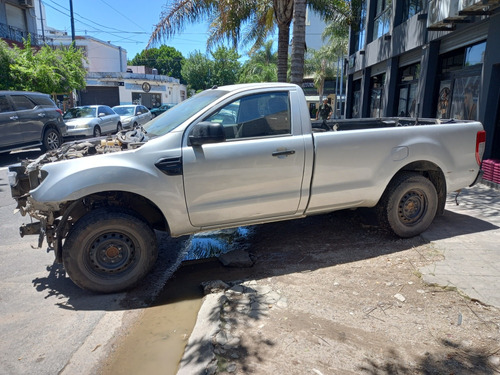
18, 35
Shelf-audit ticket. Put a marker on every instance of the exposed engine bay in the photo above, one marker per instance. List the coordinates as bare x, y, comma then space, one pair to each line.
27, 175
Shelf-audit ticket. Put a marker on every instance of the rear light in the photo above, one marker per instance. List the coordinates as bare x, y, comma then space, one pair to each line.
60, 111
480, 145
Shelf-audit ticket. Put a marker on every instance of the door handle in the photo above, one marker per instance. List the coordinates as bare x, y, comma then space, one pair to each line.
13, 117
41, 115
283, 153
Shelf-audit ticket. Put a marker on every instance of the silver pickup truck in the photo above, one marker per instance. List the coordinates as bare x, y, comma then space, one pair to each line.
232, 156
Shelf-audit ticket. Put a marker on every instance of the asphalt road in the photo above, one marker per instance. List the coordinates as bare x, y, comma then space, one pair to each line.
47, 324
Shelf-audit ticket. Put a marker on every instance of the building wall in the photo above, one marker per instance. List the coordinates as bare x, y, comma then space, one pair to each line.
426, 66
147, 89
101, 56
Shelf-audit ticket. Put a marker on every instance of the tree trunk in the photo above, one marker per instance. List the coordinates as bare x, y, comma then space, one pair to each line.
283, 42
283, 12
298, 42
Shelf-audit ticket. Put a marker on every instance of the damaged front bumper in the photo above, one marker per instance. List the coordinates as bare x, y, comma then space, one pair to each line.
52, 217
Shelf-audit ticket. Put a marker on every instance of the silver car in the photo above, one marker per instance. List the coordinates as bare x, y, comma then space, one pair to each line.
133, 115
92, 120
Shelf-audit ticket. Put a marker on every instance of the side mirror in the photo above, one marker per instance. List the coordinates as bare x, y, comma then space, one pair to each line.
102, 114
207, 132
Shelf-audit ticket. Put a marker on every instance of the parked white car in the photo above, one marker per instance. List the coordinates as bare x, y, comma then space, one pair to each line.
133, 115
92, 120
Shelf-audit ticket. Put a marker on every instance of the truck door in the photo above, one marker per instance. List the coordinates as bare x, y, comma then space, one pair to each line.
255, 174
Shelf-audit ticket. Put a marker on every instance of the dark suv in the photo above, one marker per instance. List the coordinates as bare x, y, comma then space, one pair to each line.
29, 119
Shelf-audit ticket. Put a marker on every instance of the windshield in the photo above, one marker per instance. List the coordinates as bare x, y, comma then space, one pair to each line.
79, 112
175, 116
124, 111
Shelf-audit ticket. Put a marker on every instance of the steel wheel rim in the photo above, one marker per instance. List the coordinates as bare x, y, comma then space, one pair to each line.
412, 207
111, 253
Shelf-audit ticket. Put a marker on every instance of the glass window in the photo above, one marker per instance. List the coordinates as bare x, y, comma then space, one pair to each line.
359, 26
475, 54
411, 8
408, 86
465, 99
22, 102
382, 21
376, 95
444, 100
4, 104
255, 116
356, 99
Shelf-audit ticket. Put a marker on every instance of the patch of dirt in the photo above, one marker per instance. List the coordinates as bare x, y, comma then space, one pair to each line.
327, 295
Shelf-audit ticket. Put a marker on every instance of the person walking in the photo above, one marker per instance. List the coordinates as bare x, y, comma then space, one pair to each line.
324, 110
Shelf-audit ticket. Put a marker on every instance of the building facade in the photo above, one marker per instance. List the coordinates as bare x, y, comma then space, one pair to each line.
418, 58
17, 21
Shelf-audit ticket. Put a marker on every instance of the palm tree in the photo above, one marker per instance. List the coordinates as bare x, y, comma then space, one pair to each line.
262, 65
298, 42
228, 18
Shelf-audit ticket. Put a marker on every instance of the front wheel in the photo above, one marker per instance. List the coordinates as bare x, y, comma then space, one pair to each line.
409, 205
97, 131
109, 251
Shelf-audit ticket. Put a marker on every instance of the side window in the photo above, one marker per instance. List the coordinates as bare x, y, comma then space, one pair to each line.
22, 102
42, 100
5, 105
259, 115
106, 110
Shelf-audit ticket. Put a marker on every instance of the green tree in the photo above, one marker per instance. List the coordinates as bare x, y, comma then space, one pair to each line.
197, 70
226, 66
261, 66
201, 72
167, 60
46, 70
6, 60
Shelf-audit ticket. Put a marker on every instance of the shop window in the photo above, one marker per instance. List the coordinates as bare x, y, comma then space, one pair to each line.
382, 20
376, 95
444, 100
408, 88
356, 99
460, 76
465, 99
411, 8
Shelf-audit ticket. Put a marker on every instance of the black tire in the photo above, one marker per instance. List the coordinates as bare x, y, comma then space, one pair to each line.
109, 250
135, 125
119, 127
51, 139
409, 205
97, 131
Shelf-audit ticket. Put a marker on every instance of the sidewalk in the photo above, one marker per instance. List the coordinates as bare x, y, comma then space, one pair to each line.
468, 236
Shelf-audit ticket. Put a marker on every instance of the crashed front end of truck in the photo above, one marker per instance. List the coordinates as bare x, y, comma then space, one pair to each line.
54, 220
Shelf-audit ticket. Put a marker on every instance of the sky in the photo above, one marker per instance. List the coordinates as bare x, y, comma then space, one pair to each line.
124, 23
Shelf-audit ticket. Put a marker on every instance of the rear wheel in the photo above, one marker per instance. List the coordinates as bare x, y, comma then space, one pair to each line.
409, 205
51, 139
109, 251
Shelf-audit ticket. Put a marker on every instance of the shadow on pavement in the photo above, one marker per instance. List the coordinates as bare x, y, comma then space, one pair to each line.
453, 224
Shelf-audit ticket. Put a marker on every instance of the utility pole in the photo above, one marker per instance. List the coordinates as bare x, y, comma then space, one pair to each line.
72, 21
41, 20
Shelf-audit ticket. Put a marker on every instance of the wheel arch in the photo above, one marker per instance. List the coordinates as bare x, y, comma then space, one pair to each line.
134, 203
433, 173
